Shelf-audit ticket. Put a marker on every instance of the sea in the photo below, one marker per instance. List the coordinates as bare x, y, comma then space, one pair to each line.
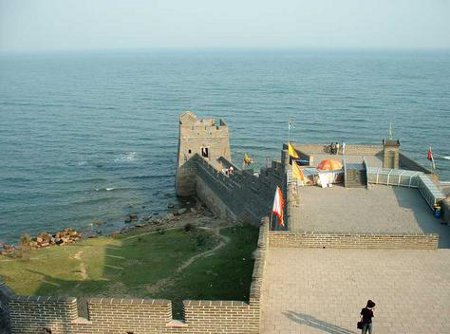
89, 137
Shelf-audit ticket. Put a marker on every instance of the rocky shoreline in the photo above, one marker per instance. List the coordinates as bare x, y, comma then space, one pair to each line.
69, 236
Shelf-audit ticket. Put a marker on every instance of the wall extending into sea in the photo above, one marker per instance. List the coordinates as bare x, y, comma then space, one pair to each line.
238, 195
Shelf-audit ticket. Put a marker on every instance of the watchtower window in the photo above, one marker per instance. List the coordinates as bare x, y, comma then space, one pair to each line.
190, 151
205, 152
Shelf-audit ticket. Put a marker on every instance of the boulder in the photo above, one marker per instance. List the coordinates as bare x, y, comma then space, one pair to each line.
181, 211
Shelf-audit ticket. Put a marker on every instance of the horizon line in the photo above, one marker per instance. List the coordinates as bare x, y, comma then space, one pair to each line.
222, 49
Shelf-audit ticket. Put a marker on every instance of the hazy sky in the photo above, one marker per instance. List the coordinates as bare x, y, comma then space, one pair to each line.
41, 25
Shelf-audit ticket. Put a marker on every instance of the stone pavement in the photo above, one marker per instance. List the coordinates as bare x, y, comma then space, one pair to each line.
323, 290
372, 160
379, 209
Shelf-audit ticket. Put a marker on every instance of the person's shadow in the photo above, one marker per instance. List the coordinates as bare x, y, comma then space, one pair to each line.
309, 320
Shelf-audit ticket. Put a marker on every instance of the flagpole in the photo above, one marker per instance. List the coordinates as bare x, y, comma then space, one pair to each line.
289, 130
431, 158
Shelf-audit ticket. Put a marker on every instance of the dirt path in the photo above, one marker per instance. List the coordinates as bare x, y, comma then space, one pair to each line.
165, 282
210, 252
83, 272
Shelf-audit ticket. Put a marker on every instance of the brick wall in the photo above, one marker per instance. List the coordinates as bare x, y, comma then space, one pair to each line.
195, 134
353, 149
408, 163
5, 296
362, 241
31, 315
242, 195
446, 210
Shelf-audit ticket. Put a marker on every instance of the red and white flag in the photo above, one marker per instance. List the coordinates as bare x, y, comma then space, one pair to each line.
278, 205
430, 157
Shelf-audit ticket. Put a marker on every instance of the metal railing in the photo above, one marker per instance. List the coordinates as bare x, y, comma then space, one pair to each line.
407, 178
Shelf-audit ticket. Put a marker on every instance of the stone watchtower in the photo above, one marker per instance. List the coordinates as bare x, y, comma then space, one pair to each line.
391, 152
203, 137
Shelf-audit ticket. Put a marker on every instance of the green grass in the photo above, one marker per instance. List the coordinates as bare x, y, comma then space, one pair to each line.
131, 265
224, 276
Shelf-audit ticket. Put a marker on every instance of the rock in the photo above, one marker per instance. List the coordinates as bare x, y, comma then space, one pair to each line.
167, 218
193, 210
128, 220
170, 205
133, 216
181, 211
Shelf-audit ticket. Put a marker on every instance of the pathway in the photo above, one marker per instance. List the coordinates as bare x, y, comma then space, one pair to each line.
323, 290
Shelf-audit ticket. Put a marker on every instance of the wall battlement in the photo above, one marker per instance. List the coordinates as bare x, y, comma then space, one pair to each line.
205, 137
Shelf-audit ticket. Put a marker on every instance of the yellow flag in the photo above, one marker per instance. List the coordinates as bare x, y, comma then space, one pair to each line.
292, 152
297, 173
247, 160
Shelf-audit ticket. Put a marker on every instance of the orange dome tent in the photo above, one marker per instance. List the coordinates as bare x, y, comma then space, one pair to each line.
329, 164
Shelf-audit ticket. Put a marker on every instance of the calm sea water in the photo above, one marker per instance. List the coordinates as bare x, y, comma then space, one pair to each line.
87, 137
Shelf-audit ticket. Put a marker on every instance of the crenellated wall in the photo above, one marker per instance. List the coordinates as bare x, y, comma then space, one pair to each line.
205, 137
5, 296
240, 195
33, 314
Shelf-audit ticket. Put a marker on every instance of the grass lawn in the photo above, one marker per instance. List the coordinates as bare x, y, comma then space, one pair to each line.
136, 265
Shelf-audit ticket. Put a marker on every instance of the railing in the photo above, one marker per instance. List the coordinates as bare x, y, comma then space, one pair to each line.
406, 178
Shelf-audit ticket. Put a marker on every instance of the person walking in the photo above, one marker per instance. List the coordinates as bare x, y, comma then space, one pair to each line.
343, 147
366, 317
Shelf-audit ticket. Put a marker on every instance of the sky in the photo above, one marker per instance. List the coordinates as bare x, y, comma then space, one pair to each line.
52, 25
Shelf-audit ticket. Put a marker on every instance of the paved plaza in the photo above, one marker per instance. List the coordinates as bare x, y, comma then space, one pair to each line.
372, 160
323, 290
379, 209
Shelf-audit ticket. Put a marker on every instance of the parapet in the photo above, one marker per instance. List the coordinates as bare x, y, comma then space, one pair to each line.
205, 137
188, 118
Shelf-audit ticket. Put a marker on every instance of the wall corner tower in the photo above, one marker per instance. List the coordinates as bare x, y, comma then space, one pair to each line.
205, 138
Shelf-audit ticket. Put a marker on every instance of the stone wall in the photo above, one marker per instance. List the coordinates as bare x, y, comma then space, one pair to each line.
239, 196
195, 135
359, 241
5, 296
307, 152
446, 210
410, 164
31, 315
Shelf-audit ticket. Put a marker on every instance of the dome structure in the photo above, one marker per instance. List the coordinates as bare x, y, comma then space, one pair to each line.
329, 164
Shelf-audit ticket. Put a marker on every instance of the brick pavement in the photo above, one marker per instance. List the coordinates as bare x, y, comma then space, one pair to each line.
380, 209
323, 290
